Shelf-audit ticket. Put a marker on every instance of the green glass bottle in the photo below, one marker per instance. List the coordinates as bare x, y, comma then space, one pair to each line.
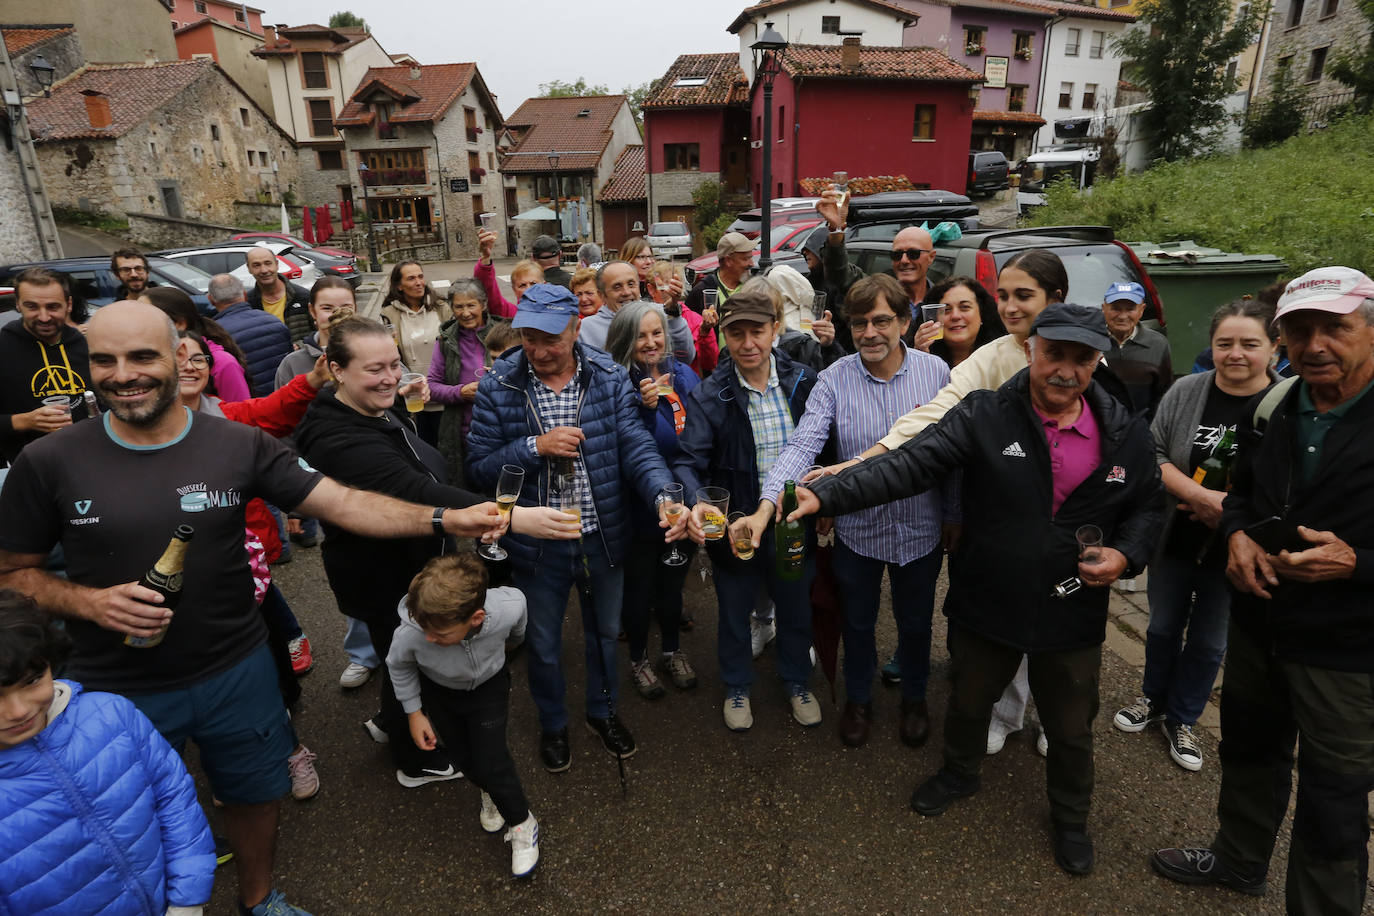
1215, 472
789, 538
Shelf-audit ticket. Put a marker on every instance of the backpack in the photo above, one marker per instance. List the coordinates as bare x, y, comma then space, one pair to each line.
1268, 404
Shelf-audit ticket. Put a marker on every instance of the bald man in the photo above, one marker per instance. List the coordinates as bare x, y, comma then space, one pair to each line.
283, 300
913, 250
112, 493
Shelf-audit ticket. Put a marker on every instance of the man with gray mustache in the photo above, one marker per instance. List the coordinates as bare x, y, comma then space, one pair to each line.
1045, 456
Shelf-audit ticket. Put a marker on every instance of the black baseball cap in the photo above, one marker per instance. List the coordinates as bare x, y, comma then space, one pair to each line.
1077, 323
544, 246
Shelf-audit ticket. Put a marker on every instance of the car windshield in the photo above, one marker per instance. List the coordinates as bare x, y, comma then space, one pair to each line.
1091, 269
669, 229
195, 278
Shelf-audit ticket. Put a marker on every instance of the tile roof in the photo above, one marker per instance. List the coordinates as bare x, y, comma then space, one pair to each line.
438, 87
311, 37
22, 37
768, 6
995, 116
1086, 10
1027, 7
553, 125
725, 83
627, 181
876, 63
135, 91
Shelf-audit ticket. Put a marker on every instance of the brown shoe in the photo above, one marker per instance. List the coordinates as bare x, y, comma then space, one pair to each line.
915, 728
854, 723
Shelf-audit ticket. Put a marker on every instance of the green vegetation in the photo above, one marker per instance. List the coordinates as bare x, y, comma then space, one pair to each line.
710, 219
75, 217
1280, 114
347, 20
634, 95
1354, 66
1309, 200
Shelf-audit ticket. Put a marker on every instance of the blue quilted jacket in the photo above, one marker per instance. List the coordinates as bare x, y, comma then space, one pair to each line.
98, 816
264, 340
618, 447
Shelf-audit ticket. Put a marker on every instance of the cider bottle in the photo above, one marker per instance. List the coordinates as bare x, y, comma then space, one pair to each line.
165, 579
789, 538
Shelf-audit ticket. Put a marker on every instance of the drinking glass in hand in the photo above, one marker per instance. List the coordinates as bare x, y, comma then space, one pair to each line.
741, 539
1089, 543
507, 492
715, 502
841, 183
663, 367
670, 506
413, 391
817, 310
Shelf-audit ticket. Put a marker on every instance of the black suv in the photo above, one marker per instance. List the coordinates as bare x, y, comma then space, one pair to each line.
987, 172
94, 284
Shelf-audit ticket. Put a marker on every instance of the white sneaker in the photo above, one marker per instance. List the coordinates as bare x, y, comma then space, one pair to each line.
997, 739
805, 709
305, 782
738, 716
524, 847
355, 675
491, 818
413, 779
1042, 744
375, 731
761, 633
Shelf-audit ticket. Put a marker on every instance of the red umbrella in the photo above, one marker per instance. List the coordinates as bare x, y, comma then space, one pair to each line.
324, 229
346, 215
308, 227
826, 616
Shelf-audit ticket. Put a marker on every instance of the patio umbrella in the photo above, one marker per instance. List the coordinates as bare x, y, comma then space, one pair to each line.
538, 213
346, 215
826, 616
324, 229
285, 220
308, 227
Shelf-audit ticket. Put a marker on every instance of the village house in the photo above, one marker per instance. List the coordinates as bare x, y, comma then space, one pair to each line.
624, 209
231, 48
230, 12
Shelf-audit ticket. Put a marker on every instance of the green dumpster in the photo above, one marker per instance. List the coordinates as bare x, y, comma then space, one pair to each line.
1193, 280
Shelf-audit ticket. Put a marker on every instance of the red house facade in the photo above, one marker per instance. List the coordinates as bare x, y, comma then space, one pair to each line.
867, 110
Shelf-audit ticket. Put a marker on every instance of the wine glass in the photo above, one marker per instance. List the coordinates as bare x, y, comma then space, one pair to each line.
841, 183
507, 492
670, 506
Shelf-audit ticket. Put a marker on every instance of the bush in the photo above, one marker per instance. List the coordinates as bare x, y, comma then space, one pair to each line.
710, 234
1279, 115
706, 201
1309, 200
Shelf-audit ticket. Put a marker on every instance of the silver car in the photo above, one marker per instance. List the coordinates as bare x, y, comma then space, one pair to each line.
230, 258
670, 240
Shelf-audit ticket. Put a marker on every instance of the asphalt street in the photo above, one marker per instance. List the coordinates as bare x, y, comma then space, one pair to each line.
778, 819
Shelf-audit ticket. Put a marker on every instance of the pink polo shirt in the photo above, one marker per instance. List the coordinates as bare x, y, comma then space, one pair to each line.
1075, 450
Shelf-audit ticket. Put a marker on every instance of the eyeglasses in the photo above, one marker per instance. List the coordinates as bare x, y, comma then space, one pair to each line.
880, 323
911, 254
132, 270
199, 361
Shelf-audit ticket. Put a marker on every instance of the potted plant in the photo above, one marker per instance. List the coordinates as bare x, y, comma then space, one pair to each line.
1024, 53
973, 49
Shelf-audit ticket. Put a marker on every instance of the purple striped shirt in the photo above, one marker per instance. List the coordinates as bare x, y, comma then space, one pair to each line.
859, 408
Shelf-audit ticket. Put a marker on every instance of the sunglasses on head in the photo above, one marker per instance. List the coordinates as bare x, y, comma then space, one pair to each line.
911, 254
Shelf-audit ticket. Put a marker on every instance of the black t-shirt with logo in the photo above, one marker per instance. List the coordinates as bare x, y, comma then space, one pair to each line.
1221, 412
114, 506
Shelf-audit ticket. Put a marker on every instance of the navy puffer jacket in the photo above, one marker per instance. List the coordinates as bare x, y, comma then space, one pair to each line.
264, 340
98, 815
617, 449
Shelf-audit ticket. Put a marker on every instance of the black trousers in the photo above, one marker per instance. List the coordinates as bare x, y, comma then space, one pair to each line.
1065, 687
1266, 704
472, 726
653, 591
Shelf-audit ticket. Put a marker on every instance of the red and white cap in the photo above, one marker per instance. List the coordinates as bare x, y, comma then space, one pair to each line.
1326, 289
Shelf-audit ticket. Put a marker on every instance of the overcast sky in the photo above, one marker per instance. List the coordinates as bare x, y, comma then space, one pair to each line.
519, 44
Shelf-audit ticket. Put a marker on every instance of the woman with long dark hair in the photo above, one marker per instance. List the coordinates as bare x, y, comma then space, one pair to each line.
415, 313
969, 321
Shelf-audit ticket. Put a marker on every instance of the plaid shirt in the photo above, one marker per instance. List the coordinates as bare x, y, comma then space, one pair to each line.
559, 408
771, 419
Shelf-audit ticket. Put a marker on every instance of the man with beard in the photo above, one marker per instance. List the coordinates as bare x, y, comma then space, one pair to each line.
113, 493
131, 267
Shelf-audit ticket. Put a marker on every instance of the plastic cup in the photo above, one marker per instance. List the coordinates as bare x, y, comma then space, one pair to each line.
60, 401
716, 503
415, 401
486, 219
936, 313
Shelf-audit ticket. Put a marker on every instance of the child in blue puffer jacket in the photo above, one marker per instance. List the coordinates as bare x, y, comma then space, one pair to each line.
99, 814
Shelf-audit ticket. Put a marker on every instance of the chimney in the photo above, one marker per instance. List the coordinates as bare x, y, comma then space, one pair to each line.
414, 73
849, 53
97, 108
269, 36
149, 57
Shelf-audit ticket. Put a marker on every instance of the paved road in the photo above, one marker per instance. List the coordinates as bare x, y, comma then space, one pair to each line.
779, 819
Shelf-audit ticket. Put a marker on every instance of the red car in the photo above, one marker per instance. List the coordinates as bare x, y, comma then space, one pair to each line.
296, 242
787, 238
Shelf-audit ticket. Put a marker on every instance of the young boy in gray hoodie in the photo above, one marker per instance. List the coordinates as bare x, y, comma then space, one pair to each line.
448, 667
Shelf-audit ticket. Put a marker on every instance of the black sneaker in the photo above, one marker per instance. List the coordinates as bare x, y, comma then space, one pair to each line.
614, 735
1136, 717
224, 853
553, 751
1183, 746
1073, 849
1197, 865
933, 796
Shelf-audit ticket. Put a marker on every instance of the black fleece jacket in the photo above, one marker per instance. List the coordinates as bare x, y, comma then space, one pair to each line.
30, 371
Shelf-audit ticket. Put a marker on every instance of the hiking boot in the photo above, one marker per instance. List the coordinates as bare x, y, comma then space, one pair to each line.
679, 670
738, 716
1197, 865
301, 659
1136, 717
933, 796
1183, 747
524, 846
305, 782
761, 633
646, 682
805, 709
554, 752
490, 816
615, 737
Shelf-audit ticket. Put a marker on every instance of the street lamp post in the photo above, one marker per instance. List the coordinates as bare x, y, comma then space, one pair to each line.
42, 74
768, 51
557, 212
367, 212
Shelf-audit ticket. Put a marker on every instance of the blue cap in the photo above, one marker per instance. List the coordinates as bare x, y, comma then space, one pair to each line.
545, 307
1132, 291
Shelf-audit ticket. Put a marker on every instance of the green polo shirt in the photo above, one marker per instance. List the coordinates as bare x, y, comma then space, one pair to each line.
1312, 427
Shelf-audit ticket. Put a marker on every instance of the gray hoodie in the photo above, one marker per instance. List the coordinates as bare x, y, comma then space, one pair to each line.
298, 361
464, 666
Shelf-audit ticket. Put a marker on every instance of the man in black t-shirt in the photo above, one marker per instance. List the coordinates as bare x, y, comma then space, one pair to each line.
112, 492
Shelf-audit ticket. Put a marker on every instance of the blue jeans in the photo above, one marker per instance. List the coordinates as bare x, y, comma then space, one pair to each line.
860, 579
559, 567
1184, 595
737, 588
358, 645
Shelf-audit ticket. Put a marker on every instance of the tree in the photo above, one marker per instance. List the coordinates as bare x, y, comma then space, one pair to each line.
637, 95
1355, 67
558, 89
1279, 115
347, 20
1180, 55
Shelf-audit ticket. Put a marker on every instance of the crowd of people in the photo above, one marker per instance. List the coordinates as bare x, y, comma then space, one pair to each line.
799, 434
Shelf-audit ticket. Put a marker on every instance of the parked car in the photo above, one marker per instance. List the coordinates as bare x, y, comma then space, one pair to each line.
670, 240
228, 258
1092, 255
330, 266
94, 284
889, 208
787, 240
1077, 164
987, 172
785, 210
297, 242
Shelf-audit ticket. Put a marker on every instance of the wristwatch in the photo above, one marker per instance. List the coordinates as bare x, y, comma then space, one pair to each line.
437, 520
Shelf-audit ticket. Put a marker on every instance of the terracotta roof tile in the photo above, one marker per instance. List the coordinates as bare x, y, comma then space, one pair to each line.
1086, 10
876, 63
552, 125
135, 91
312, 37
1042, 10
724, 83
994, 116
437, 87
768, 6
627, 181
21, 38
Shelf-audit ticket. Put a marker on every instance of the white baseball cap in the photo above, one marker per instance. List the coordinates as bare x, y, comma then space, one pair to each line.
1326, 289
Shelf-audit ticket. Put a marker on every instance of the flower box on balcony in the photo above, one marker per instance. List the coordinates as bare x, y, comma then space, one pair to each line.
973, 50
1024, 54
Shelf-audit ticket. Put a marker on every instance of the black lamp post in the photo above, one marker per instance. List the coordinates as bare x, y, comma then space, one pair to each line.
42, 73
767, 63
557, 213
367, 212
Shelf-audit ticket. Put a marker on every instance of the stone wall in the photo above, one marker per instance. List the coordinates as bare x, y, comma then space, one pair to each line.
152, 232
62, 51
674, 189
318, 186
18, 235
1345, 30
248, 213
191, 154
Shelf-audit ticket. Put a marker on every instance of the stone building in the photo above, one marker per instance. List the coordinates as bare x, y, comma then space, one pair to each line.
565, 147
27, 232
111, 30
179, 139
312, 71
57, 43
1305, 36
427, 135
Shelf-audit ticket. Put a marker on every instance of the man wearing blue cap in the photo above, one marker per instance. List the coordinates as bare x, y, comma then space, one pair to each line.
568, 416
1139, 356
1062, 482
